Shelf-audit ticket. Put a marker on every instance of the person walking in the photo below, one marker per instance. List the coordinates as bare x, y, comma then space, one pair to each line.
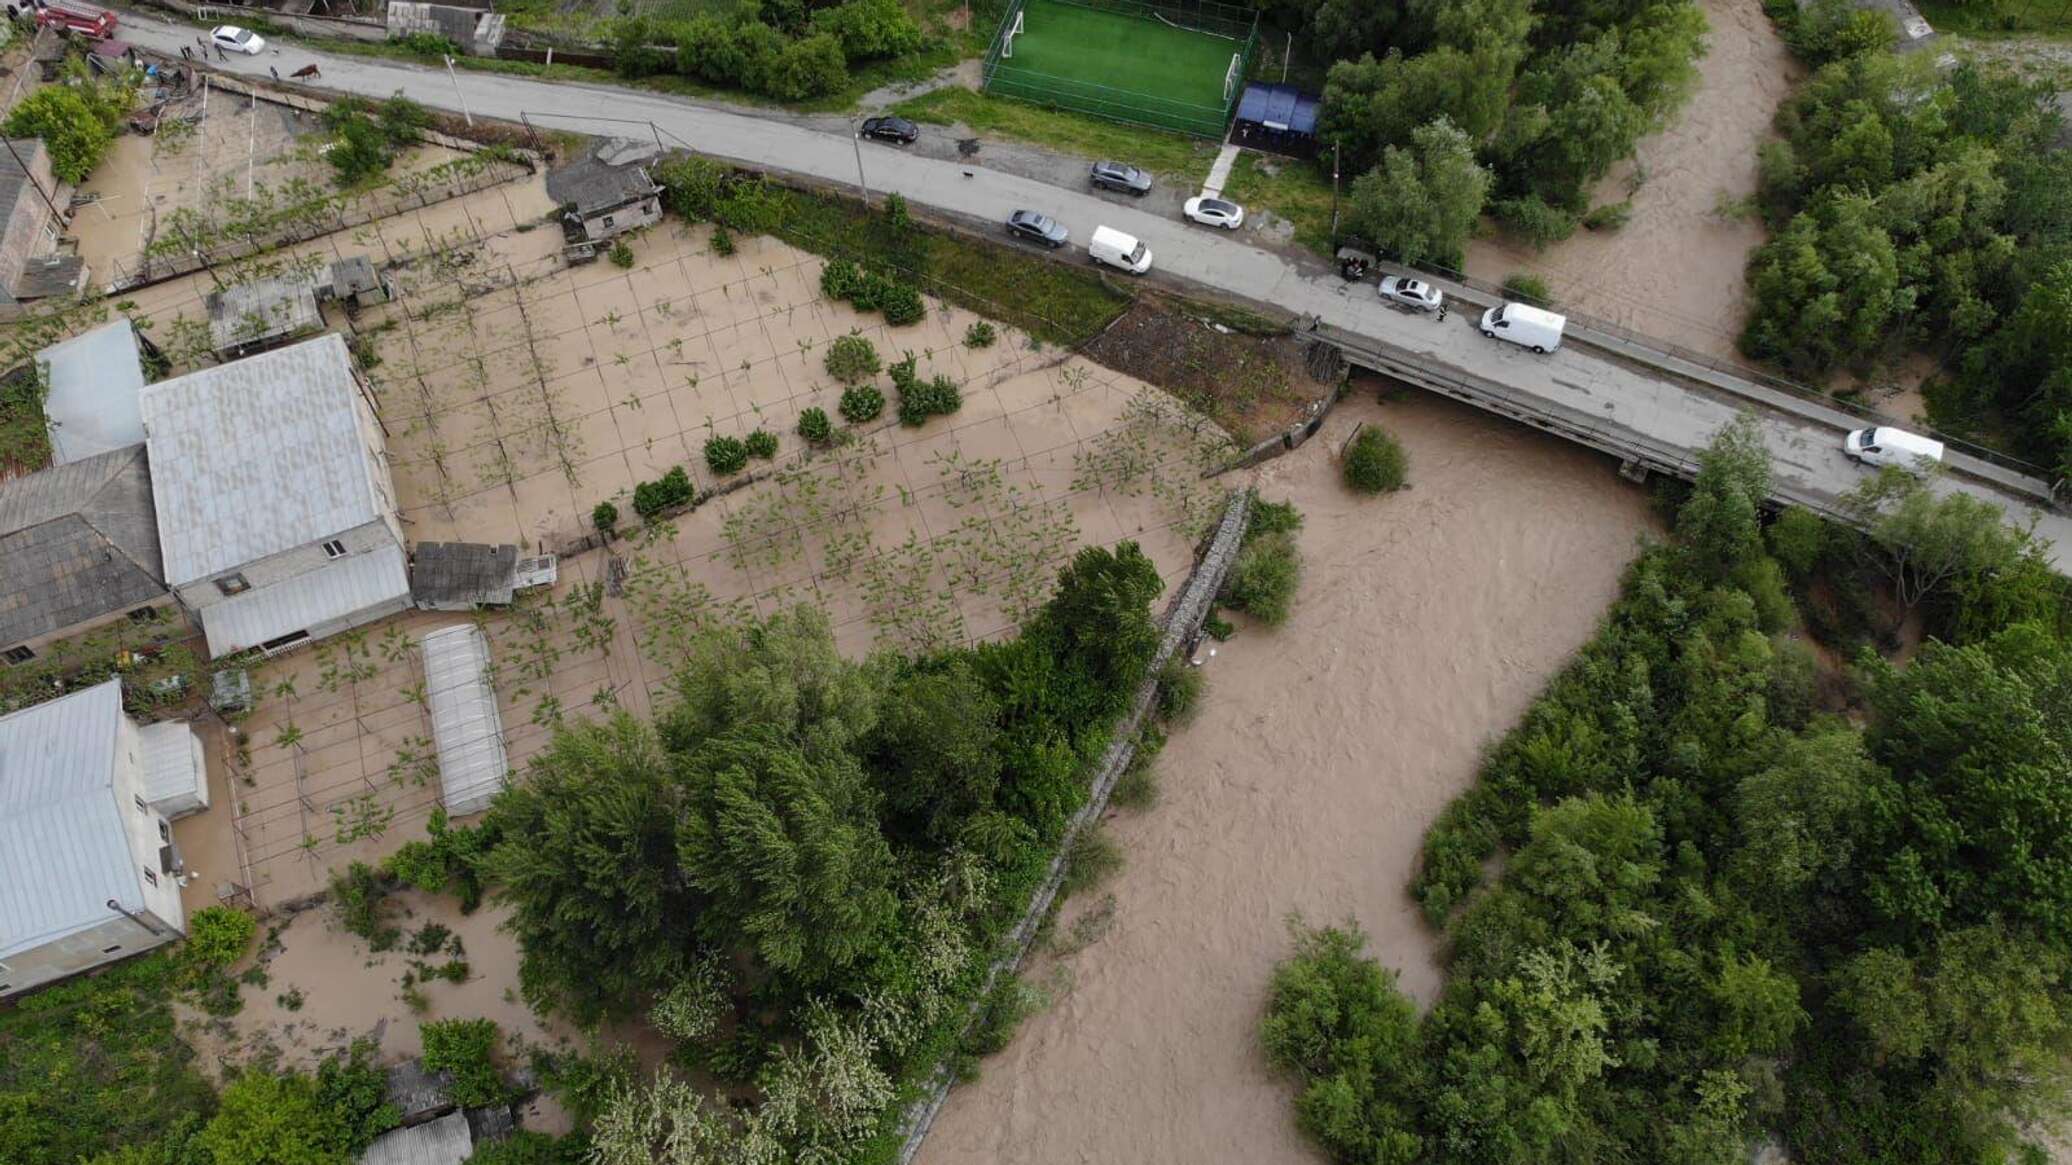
275, 70
1442, 311
186, 54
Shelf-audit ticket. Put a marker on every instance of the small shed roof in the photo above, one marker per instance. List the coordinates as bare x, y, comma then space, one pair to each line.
352, 275
610, 174
333, 591
250, 313
77, 542
445, 1141
465, 725
1278, 107
459, 576
257, 456
63, 854
95, 378
176, 780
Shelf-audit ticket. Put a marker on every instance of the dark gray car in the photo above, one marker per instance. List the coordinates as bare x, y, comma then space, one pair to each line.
1121, 177
1037, 228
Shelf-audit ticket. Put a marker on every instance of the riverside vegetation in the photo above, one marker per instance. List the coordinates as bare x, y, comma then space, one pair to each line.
1726, 913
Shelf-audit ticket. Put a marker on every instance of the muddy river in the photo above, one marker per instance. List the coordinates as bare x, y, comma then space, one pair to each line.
1426, 622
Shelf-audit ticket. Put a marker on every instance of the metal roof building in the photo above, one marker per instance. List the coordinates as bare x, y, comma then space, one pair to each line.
466, 726
80, 883
78, 543
94, 380
1279, 118
445, 1141
608, 189
264, 311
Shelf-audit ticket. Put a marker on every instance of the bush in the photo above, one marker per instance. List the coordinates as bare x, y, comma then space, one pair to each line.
1179, 690
218, 936
691, 187
722, 240
979, 335
359, 894
839, 279
467, 1049
671, 489
1533, 220
725, 455
1093, 857
1375, 462
870, 28
429, 45
605, 517
1528, 288
862, 403
1829, 30
1005, 1007
901, 305
814, 427
1609, 217
621, 255
1262, 581
851, 358
939, 396
762, 443
76, 122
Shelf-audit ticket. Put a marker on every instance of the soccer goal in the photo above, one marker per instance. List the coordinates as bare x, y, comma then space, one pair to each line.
1007, 39
1233, 78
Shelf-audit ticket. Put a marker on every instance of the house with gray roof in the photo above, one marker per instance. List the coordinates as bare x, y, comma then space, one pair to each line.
78, 548
276, 511
607, 191
93, 379
88, 874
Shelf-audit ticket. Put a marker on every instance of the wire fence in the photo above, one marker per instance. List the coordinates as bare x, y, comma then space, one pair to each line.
1002, 77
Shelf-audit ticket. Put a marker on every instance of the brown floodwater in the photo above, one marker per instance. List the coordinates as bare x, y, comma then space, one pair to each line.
1426, 622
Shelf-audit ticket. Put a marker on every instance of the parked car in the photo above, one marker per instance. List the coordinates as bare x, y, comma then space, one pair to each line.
1037, 228
1889, 446
82, 19
1216, 212
1525, 326
1119, 250
897, 130
1120, 177
232, 39
1411, 293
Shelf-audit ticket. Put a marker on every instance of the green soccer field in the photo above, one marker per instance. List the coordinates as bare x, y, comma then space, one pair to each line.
1118, 66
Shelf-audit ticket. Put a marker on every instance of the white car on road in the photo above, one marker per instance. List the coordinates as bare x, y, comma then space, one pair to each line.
232, 39
1216, 212
1411, 293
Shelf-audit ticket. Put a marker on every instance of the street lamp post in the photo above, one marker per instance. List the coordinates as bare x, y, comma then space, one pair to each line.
458, 96
856, 141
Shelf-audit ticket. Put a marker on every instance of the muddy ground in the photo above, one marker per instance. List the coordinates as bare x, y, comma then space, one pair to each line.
1251, 384
1425, 623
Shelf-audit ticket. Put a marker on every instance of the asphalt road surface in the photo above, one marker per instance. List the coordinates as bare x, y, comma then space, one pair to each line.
1669, 410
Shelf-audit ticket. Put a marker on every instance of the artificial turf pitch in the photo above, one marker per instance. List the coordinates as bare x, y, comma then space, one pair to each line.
1118, 66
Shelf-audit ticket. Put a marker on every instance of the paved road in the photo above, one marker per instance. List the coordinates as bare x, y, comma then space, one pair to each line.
1577, 383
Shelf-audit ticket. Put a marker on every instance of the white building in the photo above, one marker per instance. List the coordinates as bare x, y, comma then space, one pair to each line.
86, 859
276, 512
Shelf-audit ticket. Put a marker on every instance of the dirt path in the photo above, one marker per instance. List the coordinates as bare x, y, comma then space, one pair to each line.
1425, 624
1675, 269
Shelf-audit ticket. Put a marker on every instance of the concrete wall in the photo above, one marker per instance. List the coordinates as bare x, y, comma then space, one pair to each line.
23, 237
474, 29
173, 625
82, 951
644, 213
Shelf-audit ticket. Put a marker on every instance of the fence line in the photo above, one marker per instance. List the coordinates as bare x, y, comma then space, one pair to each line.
1208, 16
1183, 621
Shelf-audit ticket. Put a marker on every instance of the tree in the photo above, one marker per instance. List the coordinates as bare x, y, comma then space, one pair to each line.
269, 1119
1980, 752
587, 863
870, 28
934, 753
465, 1049
1421, 203
1570, 120
785, 847
1720, 525
2025, 370
1801, 822
75, 126
1925, 542
1826, 289
1101, 614
782, 675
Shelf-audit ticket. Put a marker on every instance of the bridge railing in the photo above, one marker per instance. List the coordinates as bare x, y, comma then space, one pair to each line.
1740, 371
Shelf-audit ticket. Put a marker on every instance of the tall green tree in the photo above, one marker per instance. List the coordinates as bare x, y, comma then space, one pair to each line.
1826, 290
1421, 203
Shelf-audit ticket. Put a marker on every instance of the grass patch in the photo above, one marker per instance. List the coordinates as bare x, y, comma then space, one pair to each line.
1054, 302
1170, 155
1296, 191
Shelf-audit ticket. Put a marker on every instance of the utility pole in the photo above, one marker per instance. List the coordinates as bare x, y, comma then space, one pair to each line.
1334, 193
1287, 50
856, 141
455, 78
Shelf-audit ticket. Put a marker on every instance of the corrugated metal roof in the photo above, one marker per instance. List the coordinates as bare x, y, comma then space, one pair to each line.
445, 1141
255, 457
77, 542
175, 779
465, 723
247, 313
95, 378
333, 591
62, 850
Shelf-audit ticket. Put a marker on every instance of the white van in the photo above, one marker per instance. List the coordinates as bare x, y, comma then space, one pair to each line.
1524, 325
1890, 446
1116, 249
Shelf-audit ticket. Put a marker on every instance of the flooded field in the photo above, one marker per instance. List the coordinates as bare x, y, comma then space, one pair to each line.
1425, 623
1675, 269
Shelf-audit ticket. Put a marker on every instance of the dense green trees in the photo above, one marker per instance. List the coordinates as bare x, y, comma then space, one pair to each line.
1421, 202
1724, 915
772, 48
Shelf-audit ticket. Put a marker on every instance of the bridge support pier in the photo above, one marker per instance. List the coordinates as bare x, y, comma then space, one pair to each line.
1632, 470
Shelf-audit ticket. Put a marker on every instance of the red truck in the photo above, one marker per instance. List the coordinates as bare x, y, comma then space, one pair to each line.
81, 19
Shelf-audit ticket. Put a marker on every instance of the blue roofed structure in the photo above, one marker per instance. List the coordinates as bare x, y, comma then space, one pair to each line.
1280, 119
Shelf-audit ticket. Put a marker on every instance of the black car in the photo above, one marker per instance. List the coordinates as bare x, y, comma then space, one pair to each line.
1120, 176
1037, 228
891, 129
